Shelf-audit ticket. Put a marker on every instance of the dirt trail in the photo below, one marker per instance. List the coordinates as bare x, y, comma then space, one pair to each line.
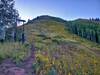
8, 67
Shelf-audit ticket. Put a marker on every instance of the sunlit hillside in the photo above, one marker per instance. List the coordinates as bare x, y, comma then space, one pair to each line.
62, 50
57, 50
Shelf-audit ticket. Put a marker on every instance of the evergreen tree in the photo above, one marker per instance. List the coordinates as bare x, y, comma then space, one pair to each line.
8, 17
86, 28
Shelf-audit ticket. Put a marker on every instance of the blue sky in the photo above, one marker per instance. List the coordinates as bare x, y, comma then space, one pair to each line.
66, 9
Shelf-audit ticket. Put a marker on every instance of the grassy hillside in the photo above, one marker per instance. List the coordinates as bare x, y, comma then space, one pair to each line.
15, 51
58, 51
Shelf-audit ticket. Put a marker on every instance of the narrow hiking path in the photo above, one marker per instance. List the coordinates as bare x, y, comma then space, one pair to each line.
27, 64
8, 67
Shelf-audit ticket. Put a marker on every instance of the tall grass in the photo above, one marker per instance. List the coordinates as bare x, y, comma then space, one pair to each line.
15, 51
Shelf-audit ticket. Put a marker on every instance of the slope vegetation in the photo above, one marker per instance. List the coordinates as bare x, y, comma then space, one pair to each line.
57, 50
